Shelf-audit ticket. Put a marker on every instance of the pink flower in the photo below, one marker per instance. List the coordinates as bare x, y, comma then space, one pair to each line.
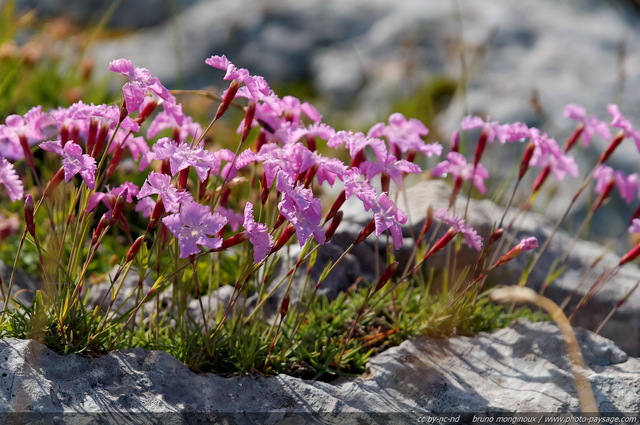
108, 198
356, 142
256, 86
10, 180
387, 215
184, 155
234, 219
620, 121
471, 237
391, 166
526, 244
258, 233
406, 135
141, 83
354, 184
592, 125
145, 206
195, 225
456, 165
160, 184
494, 130
74, 161
548, 153
635, 226
165, 120
301, 209
15, 127
627, 185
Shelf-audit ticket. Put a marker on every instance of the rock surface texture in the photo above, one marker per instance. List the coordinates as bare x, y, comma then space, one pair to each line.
523, 368
567, 289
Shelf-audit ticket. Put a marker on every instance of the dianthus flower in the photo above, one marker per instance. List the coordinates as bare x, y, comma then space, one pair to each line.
456, 165
184, 155
141, 83
620, 121
591, 124
256, 86
387, 215
301, 209
259, 236
494, 130
471, 237
356, 142
406, 135
16, 128
635, 226
108, 198
548, 153
390, 166
195, 225
74, 161
160, 184
10, 180
627, 185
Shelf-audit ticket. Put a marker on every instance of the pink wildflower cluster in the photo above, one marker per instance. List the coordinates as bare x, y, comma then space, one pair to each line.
92, 141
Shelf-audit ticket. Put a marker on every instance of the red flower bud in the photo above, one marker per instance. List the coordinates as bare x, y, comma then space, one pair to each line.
389, 272
612, 147
284, 307
333, 226
482, 144
571, 141
229, 95
28, 215
234, 240
526, 158
135, 247
440, 243
53, 183
629, 256
284, 238
364, 234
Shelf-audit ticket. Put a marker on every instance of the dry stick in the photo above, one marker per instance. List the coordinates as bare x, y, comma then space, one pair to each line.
521, 295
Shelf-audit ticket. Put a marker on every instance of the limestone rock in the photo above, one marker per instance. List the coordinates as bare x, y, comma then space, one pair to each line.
523, 368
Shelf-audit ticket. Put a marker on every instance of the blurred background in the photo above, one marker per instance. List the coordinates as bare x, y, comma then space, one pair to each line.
356, 60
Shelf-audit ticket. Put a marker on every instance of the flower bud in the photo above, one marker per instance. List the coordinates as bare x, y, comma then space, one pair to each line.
389, 272
249, 113
630, 256
135, 247
28, 215
284, 238
233, 240
526, 158
228, 97
612, 147
333, 226
524, 245
53, 183
440, 243
284, 307
336, 205
364, 234
571, 141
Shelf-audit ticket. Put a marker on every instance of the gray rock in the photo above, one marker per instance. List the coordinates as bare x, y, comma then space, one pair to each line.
24, 285
567, 289
520, 369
